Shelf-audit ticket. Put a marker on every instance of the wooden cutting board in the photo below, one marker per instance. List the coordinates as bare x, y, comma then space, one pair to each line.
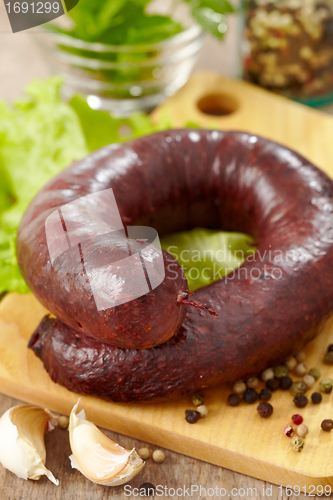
235, 438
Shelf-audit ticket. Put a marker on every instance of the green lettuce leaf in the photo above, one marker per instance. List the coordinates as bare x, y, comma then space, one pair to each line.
100, 128
39, 136
207, 255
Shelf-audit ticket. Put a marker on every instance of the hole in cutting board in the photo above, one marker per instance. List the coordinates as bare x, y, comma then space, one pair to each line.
217, 104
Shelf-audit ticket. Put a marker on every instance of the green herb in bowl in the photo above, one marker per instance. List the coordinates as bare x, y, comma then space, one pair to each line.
124, 58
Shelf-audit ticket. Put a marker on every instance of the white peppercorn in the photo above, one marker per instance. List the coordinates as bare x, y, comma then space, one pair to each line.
158, 456
252, 383
290, 363
239, 387
300, 369
144, 453
203, 410
267, 374
309, 380
302, 430
63, 422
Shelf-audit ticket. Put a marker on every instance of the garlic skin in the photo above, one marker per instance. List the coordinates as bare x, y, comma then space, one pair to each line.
22, 449
97, 457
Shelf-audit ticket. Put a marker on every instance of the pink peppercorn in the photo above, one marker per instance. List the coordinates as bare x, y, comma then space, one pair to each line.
288, 430
297, 419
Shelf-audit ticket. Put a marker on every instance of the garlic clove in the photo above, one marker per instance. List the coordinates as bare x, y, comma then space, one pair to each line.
22, 449
97, 457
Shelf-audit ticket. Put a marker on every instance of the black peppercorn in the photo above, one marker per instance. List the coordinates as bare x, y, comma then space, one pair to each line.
273, 384
316, 398
192, 416
285, 383
250, 396
328, 359
330, 348
265, 410
300, 401
327, 425
233, 400
265, 395
147, 490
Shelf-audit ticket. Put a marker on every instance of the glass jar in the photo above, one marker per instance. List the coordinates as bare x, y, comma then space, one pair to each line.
287, 47
122, 79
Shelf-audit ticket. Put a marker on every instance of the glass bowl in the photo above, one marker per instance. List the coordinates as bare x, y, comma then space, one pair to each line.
122, 79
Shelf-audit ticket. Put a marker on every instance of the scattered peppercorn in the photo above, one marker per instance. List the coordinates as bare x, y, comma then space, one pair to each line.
298, 388
233, 400
300, 401
291, 362
285, 383
144, 453
265, 410
197, 399
330, 348
63, 422
273, 384
281, 371
203, 410
250, 396
252, 383
288, 430
297, 443
300, 357
328, 359
192, 416
316, 398
267, 374
297, 419
265, 395
239, 387
158, 456
327, 425
302, 430
315, 373
309, 380
148, 489
326, 385
300, 369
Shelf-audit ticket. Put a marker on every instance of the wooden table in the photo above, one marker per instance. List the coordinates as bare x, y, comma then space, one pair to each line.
20, 61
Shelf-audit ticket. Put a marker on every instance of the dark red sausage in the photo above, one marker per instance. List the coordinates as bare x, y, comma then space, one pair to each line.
94, 267
270, 308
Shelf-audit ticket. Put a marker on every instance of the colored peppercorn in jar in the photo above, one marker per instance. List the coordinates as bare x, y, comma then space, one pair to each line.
287, 48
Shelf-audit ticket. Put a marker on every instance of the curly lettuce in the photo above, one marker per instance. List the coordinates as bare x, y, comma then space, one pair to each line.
39, 136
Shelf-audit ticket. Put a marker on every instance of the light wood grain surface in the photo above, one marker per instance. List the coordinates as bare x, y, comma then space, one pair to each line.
21, 60
236, 438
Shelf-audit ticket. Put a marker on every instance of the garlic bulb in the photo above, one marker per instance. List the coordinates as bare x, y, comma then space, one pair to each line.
22, 448
96, 456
